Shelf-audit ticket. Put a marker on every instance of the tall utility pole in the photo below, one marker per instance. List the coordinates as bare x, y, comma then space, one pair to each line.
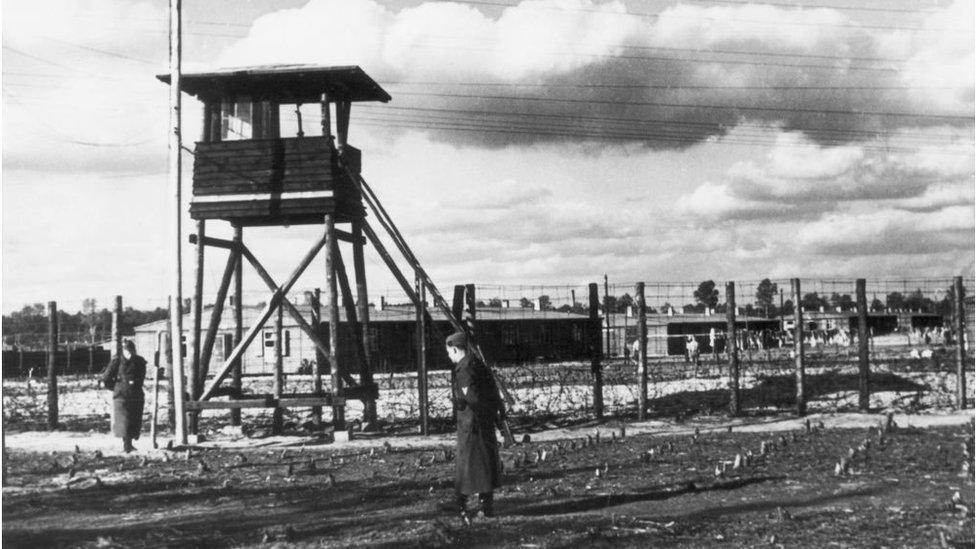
175, 165
606, 312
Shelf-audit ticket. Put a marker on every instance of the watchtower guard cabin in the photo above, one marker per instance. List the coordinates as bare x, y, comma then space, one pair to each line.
247, 174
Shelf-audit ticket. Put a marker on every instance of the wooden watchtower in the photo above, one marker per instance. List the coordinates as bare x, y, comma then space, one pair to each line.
247, 174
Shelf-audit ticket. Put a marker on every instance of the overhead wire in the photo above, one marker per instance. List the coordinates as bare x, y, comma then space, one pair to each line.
805, 6
657, 15
602, 135
102, 51
596, 128
694, 124
645, 133
58, 136
639, 14
509, 98
557, 84
59, 65
571, 129
695, 105
564, 53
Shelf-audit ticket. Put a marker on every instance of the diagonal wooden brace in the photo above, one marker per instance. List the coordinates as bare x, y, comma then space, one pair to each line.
374, 204
269, 309
293, 311
218, 310
347, 236
394, 268
215, 242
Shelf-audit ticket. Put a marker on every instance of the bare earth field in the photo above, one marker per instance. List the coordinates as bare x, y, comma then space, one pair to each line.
655, 486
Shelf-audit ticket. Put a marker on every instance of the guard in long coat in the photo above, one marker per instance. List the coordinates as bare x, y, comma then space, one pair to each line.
124, 376
477, 403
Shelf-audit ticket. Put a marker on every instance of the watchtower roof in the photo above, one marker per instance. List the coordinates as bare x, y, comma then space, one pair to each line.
284, 83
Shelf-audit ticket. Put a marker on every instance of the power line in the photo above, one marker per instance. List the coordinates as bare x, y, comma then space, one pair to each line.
573, 135
604, 133
601, 86
695, 131
657, 15
695, 106
497, 97
649, 15
794, 55
843, 135
563, 53
103, 52
691, 59
597, 127
921, 11
660, 86
56, 64
58, 136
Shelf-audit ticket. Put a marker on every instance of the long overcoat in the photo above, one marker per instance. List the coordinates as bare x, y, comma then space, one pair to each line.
477, 404
125, 377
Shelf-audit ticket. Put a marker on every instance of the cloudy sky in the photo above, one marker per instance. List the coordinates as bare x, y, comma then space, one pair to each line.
532, 142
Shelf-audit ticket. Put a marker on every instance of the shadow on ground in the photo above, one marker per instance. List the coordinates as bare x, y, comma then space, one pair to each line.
776, 392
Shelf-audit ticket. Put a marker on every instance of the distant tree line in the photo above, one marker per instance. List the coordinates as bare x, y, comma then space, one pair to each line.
31, 323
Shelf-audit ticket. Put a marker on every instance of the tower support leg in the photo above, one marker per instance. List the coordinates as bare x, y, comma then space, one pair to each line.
332, 301
196, 383
362, 308
235, 413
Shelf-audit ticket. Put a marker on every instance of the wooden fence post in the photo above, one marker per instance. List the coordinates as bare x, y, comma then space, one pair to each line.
117, 327
422, 399
863, 364
642, 351
166, 359
608, 348
52, 376
278, 419
457, 304
732, 350
315, 300
595, 350
958, 293
470, 310
801, 399
91, 351
457, 310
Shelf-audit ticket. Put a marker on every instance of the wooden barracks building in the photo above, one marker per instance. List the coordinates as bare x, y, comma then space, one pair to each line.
505, 335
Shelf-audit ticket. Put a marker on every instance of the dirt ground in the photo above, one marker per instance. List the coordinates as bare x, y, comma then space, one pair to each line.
655, 483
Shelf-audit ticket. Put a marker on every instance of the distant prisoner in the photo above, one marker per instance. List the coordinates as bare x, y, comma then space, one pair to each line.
478, 404
124, 375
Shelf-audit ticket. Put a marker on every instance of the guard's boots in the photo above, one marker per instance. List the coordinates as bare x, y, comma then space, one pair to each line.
486, 506
458, 505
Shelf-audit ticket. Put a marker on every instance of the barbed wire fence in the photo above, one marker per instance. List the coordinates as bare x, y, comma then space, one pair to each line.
570, 352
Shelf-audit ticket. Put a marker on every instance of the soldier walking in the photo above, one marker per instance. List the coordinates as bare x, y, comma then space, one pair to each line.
478, 404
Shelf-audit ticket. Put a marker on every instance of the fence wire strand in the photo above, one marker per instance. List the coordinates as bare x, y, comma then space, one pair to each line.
540, 339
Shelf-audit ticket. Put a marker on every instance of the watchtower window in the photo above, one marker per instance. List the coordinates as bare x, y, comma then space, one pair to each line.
241, 118
236, 119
